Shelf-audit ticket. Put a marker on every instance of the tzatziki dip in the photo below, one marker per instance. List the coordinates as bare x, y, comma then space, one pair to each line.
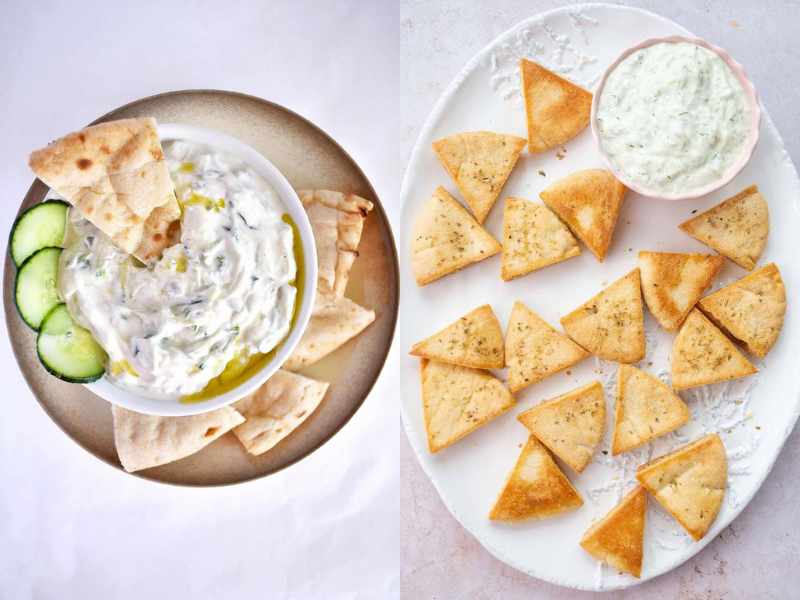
673, 117
225, 292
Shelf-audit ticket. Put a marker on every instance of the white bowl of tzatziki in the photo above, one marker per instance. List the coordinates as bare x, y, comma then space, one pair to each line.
223, 308
675, 118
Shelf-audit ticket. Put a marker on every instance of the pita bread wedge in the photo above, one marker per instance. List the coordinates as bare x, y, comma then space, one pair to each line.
751, 309
475, 340
535, 489
646, 408
690, 483
446, 238
618, 538
673, 283
115, 174
611, 324
337, 221
145, 441
479, 163
458, 400
737, 228
533, 238
334, 321
557, 110
534, 350
570, 425
276, 409
588, 202
701, 354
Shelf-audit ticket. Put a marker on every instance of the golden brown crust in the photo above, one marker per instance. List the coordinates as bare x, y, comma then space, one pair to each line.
479, 163
536, 488
737, 227
702, 354
750, 309
556, 109
690, 483
475, 340
611, 324
570, 425
589, 203
446, 238
618, 538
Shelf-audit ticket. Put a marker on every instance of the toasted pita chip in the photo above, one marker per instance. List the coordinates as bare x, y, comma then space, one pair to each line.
570, 425
534, 350
533, 238
475, 340
690, 483
557, 110
536, 488
337, 221
673, 283
276, 409
458, 400
589, 203
611, 324
115, 174
646, 408
701, 354
446, 238
145, 441
333, 322
479, 163
618, 538
751, 309
737, 228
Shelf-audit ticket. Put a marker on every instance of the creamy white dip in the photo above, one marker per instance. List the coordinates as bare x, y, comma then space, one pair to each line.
673, 117
224, 291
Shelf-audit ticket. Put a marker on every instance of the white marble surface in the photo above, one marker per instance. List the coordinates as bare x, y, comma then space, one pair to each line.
758, 556
72, 527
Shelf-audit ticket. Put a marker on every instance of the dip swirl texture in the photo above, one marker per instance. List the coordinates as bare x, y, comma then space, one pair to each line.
226, 290
673, 117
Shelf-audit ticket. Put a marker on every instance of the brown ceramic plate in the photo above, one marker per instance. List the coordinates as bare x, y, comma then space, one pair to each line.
309, 159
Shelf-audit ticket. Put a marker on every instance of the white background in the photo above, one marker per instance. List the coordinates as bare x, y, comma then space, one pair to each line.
71, 526
758, 555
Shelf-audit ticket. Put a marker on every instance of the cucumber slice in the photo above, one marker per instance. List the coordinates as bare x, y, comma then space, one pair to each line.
40, 226
36, 287
67, 350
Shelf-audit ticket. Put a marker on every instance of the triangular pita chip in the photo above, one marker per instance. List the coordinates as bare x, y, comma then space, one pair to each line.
534, 350
115, 174
479, 163
475, 340
337, 220
557, 110
536, 488
533, 237
751, 309
611, 324
690, 483
673, 283
589, 203
276, 409
446, 238
145, 441
646, 408
570, 425
701, 354
618, 538
333, 322
737, 228
458, 400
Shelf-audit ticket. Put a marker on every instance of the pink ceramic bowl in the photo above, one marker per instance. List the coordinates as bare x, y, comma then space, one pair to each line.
747, 150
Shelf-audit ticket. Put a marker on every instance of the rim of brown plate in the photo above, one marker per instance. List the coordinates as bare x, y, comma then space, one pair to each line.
395, 300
